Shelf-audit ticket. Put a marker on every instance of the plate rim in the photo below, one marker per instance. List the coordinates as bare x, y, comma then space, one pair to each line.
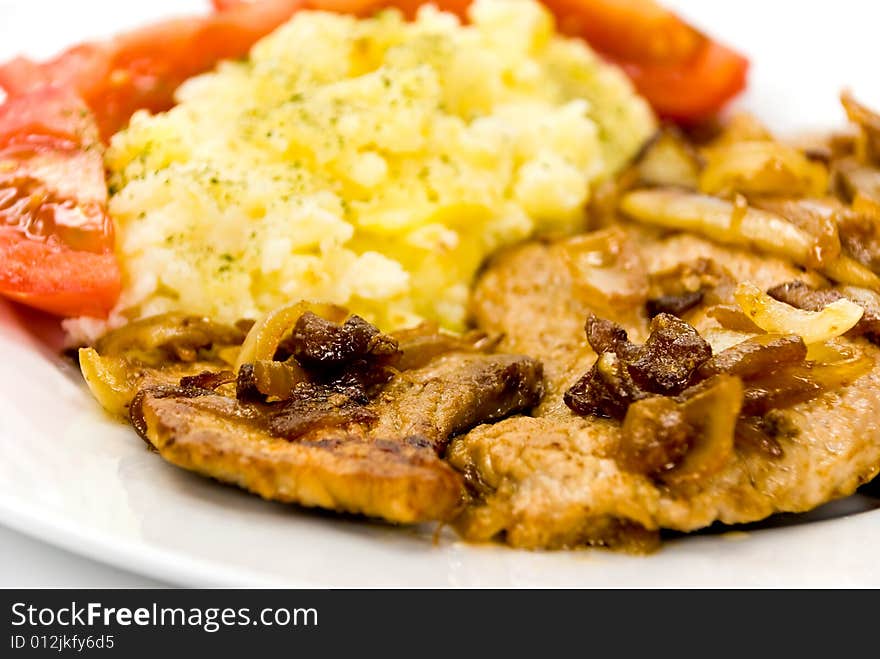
47, 524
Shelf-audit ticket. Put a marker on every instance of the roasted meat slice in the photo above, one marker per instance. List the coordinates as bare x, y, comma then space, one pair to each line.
338, 468
558, 479
453, 393
326, 449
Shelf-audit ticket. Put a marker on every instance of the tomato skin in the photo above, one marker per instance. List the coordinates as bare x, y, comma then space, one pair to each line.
56, 239
49, 112
142, 69
685, 75
695, 90
52, 277
223, 5
232, 32
631, 30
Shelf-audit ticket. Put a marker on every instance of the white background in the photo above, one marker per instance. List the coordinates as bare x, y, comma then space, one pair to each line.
806, 48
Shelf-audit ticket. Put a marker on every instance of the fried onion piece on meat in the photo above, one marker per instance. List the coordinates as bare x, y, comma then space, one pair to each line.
159, 350
381, 459
338, 468
557, 479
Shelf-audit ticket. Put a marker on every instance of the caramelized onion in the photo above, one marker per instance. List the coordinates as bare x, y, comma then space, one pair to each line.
818, 217
761, 168
867, 120
791, 385
669, 160
264, 337
727, 223
682, 440
171, 334
419, 345
721, 339
771, 315
108, 379
606, 268
761, 354
266, 379
712, 409
654, 437
733, 318
799, 294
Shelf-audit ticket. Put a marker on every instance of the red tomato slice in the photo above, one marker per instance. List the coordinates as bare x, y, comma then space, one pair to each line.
143, 68
221, 5
633, 30
57, 279
56, 240
694, 90
685, 75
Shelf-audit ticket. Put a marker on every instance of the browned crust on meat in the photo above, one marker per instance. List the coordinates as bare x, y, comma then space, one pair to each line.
383, 463
341, 471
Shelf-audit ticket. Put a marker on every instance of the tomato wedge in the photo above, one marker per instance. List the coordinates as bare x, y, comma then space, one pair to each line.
685, 75
143, 68
56, 240
58, 280
634, 30
693, 90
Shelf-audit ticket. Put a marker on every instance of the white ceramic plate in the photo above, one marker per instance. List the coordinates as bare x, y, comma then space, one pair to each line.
73, 478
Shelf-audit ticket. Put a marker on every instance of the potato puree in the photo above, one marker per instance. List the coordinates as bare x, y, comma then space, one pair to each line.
373, 163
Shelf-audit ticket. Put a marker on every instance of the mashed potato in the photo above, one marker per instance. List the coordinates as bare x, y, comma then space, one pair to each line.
372, 163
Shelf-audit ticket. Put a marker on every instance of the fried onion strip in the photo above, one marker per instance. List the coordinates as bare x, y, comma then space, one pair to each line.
263, 339
732, 224
771, 315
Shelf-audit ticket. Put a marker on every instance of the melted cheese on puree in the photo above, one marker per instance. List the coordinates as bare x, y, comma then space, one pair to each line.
372, 163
